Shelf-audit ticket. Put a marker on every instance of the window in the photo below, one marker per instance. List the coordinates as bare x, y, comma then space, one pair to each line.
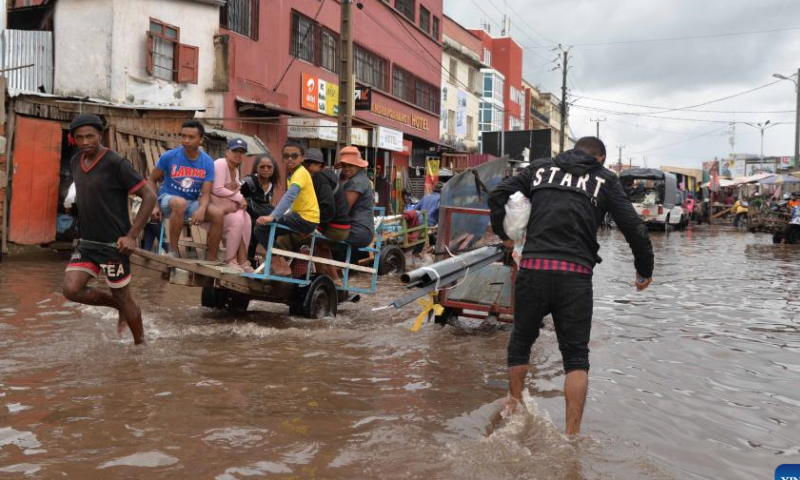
470, 128
370, 68
487, 84
406, 7
402, 82
329, 43
240, 16
453, 70
424, 19
302, 37
435, 32
167, 58
487, 57
406, 86
163, 40
314, 43
491, 117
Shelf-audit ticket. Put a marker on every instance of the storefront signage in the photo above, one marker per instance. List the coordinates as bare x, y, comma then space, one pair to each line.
360, 137
312, 128
321, 129
414, 121
319, 96
389, 139
363, 98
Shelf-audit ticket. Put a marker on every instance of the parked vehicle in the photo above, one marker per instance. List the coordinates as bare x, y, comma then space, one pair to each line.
656, 198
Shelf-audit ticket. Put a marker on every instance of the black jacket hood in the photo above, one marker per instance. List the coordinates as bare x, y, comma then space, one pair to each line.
576, 162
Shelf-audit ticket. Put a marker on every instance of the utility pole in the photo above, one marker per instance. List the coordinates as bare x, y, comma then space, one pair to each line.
346, 91
797, 122
619, 161
564, 69
597, 121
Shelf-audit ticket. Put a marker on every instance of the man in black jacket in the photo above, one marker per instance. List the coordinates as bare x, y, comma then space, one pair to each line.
570, 195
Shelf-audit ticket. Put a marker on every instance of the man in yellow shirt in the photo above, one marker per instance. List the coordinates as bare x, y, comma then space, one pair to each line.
298, 209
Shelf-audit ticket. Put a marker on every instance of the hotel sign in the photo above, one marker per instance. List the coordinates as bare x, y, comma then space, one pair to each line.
413, 121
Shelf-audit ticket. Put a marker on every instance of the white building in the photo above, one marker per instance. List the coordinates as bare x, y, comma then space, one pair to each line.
461, 87
138, 52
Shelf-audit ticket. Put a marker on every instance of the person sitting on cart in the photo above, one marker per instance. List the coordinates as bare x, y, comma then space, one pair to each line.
185, 195
360, 196
259, 191
430, 203
302, 219
333, 209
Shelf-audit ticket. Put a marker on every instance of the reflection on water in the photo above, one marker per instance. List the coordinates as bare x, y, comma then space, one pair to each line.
693, 378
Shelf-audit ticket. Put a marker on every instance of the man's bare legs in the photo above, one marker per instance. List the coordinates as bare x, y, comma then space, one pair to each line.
76, 290
575, 387
130, 312
215, 216
177, 206
576, 384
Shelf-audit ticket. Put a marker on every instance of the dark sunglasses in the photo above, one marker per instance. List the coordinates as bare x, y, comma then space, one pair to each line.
266, 166
293, 156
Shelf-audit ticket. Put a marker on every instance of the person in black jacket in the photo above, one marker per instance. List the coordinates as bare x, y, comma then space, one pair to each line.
570, 195
258, 189
334, 211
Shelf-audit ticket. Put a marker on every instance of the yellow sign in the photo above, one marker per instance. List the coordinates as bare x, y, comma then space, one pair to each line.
320, 96
414, 121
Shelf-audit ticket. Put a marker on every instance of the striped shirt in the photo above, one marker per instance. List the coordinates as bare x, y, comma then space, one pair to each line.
554, 265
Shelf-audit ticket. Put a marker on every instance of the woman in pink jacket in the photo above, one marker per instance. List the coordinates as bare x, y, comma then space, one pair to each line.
237, 226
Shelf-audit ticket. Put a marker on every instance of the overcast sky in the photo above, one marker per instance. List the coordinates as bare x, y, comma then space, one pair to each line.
669, 74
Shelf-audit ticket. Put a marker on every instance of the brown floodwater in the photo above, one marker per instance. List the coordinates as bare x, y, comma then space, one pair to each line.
694, 378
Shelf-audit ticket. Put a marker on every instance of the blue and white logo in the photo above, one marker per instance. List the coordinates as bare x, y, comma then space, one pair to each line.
787, 472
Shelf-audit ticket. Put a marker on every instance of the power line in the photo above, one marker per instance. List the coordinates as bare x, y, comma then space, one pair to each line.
710, 132
672, 39
667, 108
613, 112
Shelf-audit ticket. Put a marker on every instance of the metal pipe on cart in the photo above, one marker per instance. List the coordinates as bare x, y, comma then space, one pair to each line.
429, 274
425, 285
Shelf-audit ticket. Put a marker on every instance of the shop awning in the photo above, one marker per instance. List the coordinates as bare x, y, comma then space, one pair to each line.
723, 183
751, 179
247, 105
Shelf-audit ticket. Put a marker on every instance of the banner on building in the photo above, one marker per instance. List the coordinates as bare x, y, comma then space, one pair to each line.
319, 96
431, 173
363, 98
732, 168
389, 139
461, 113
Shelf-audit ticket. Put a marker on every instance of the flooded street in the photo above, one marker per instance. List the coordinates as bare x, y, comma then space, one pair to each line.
694, 378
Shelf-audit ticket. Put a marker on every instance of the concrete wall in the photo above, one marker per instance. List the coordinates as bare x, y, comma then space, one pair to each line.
101, 50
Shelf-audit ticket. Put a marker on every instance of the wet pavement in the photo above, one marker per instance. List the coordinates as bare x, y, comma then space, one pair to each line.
694, 378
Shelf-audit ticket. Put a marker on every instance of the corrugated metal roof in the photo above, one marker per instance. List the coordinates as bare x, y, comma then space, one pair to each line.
14, 93
32, 50
254, 144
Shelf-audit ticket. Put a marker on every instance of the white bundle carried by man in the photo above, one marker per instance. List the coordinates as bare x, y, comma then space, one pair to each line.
518, 210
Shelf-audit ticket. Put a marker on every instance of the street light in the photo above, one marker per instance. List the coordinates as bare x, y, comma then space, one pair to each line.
797, 113
762, 127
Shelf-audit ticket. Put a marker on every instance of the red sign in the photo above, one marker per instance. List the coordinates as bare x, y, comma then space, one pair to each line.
310, 92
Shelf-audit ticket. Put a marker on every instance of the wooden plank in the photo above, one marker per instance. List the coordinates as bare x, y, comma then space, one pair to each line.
148, 155
326, 261
154, 149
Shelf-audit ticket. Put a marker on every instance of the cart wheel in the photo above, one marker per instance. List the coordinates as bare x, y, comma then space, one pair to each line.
666, 225
221, 299
318, 300
446, 317
393, 261
213, 297
237, 302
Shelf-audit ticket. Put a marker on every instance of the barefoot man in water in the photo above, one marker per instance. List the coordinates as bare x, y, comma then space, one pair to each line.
103, 181
570, 194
